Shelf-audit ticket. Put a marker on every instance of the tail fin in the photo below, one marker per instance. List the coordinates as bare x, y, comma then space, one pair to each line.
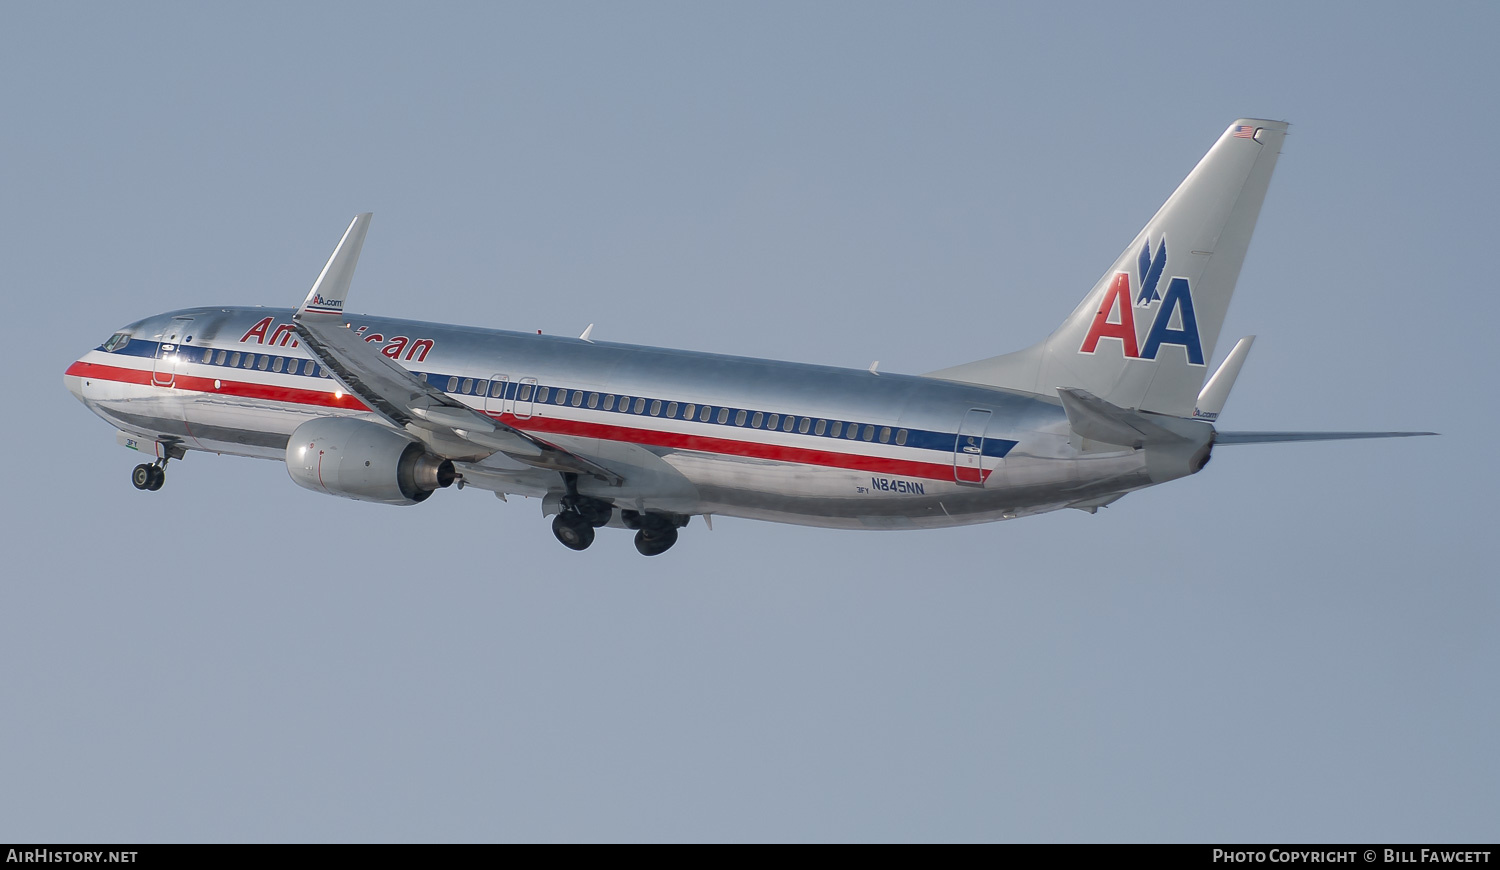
1143, 336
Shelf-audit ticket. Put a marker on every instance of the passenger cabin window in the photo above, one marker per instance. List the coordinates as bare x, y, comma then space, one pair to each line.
703, 414
541, 393
756, 420
249, 360
836, 428
821, 427
593, 400
772, 420
739, 418
688, 411
525, 393
468, 385
786, 425
220, 360
452, 385
869, 432
234, 360
577, 398
885, 435
723, 415
804, 426
480, 387
609, 401
562, 397
496, 388
852, 432
901, 437
640, 406
276, 366
656, 407
292, 366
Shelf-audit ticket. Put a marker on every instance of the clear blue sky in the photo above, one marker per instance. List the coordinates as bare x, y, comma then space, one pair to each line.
1298, 644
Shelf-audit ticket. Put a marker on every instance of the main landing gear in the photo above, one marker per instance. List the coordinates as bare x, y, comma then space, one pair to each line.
573, 530
655, 533
574, 526
150, 477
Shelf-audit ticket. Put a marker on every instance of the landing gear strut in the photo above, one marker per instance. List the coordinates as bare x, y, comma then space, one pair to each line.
150, 477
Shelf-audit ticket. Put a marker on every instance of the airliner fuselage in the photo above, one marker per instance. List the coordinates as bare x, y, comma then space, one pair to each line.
701, 433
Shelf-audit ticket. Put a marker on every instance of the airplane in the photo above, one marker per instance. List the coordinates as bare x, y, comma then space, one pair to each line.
1118, 398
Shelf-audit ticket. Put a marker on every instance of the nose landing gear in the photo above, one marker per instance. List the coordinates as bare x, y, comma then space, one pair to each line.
150, 477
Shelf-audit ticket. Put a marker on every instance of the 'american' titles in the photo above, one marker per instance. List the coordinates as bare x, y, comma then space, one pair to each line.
399, 347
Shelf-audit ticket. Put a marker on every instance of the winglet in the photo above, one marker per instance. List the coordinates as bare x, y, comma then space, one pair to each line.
1211, 400
332, 287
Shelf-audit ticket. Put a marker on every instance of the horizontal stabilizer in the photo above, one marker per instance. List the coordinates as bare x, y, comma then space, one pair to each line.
1274, 437
1097, 420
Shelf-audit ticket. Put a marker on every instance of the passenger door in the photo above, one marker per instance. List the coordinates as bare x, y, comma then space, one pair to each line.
164, 367
968, 447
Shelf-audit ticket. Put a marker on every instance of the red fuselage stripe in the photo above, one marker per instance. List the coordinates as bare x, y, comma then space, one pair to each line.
241, 389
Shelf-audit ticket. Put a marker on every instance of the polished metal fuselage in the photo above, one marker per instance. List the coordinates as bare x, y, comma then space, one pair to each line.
696, 436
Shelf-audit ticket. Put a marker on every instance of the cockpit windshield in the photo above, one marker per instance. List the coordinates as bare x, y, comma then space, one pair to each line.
116, 342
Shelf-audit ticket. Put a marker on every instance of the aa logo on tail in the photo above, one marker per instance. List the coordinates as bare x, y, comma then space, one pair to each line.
1116, 315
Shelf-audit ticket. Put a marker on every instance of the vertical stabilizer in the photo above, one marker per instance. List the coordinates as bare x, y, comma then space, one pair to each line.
1143, 336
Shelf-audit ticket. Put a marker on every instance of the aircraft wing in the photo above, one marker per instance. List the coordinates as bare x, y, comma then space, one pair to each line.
402, 398
1273, 437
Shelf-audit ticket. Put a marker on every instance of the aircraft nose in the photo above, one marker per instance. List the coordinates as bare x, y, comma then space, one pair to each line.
75, 381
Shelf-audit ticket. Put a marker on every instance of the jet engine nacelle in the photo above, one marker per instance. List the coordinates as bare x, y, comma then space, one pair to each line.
363, 460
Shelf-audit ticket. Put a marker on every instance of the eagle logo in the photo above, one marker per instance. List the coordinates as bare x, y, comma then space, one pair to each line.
1150, 269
